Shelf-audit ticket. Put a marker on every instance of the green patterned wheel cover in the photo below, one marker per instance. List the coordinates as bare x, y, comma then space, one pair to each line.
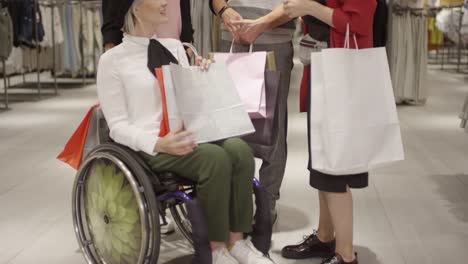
112, 214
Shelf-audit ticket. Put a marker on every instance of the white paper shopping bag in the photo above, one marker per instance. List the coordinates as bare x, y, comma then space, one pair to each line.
208, 103
354, 121
175, 120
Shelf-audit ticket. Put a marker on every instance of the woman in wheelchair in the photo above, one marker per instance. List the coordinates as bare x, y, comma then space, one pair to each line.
130, 100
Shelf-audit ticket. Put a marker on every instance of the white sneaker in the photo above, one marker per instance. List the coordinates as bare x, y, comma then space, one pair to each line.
246, 253
222, 256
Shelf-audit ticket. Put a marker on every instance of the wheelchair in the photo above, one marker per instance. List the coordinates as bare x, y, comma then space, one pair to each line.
118, 203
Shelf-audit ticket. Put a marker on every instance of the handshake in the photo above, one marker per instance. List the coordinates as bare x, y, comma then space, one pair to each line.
244, 31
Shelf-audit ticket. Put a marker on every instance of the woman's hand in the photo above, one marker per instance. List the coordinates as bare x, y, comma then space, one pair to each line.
203, 63
250, 30
176, 143
229, 17
296, 8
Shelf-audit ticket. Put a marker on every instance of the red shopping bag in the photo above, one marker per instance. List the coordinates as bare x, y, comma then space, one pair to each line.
164, 128
73, 152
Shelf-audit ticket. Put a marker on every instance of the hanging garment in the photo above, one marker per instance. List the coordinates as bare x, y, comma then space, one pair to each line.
451, 2
433, 3
70, 49
49, 28
14, 8
448, 21
6, 33
410, 3
408, 56
14, 63
77, 17
202, 23
436, 37
464, 115
91, 39
31, 30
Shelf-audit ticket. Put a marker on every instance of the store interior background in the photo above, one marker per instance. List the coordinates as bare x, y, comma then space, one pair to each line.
414, 211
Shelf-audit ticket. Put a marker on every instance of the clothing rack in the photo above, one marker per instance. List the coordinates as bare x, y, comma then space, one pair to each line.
93, 5
397, 9
406, 47
452, 54
5, 88
30, 96
62, 80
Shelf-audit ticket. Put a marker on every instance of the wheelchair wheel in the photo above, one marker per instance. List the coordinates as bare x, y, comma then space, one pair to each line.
115, 212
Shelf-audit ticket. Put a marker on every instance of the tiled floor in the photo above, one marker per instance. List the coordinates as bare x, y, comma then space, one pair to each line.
415, 211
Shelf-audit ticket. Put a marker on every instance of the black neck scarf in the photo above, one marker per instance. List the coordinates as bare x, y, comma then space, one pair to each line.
158, 56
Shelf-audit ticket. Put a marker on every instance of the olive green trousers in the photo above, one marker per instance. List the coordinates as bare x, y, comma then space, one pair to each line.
224, 174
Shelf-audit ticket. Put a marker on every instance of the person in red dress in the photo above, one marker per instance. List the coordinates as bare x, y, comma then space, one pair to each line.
333, 239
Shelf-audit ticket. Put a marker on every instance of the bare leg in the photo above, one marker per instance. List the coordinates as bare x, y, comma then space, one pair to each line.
326, 231
217, 245
234, 237
341, 211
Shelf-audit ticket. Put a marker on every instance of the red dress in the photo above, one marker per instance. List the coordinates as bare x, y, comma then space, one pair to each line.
359, 14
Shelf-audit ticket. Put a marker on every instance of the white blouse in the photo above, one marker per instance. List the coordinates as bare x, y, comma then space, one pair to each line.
129, 94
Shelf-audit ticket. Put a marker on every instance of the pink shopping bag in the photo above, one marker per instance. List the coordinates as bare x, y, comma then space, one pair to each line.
248, 72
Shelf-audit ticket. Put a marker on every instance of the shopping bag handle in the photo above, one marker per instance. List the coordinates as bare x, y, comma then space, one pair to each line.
190, 46
232, 47
346, 45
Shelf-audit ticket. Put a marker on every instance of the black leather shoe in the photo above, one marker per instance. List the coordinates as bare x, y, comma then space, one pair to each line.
337, 259
311, 247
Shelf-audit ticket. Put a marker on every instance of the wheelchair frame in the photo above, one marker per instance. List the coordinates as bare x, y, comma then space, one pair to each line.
156, 192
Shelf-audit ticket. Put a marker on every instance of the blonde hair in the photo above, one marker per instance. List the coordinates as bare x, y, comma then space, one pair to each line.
131, 18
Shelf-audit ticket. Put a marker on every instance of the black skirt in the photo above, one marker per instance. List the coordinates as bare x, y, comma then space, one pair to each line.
332, 183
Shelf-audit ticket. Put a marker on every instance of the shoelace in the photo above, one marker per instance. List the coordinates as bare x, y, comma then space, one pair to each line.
332, 260
304, 238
